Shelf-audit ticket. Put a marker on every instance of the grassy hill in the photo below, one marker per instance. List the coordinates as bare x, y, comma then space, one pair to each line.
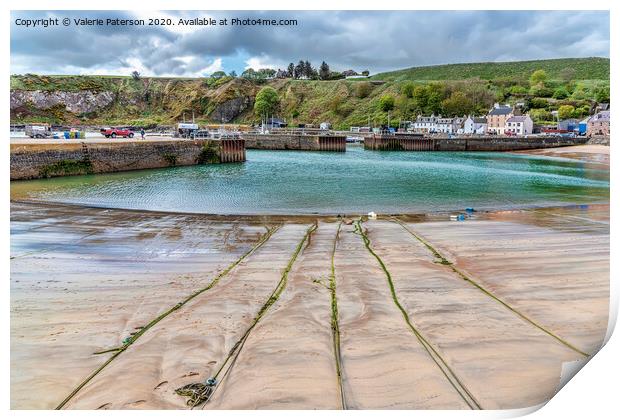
593, 68
456, 89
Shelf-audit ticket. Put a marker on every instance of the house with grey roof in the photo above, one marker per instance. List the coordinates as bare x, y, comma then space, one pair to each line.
424, 124
519, 125
496, 118
474, 125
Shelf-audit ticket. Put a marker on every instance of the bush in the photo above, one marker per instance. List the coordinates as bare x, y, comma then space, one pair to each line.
560, 93
517, 90
540, 115
541, 91
386, 103
537, 103
566, 111
363, 89
602, 94
408, 89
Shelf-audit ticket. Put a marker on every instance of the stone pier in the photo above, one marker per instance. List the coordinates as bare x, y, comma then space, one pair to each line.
400, 142
30, 160
467, 144
297, 141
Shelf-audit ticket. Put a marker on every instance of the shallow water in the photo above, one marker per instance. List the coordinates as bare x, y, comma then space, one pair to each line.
358, 181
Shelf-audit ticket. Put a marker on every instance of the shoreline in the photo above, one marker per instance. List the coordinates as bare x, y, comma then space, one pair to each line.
275, 217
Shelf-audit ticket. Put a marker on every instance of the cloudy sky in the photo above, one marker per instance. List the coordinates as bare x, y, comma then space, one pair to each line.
377, 41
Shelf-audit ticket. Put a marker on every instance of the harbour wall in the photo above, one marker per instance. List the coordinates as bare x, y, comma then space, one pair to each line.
45, 160
471, 144
326, 143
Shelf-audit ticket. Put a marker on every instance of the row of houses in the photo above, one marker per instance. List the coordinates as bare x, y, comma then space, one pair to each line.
503, 120
498, 122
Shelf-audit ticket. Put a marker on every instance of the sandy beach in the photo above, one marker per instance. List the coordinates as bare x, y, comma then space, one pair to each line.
494, 306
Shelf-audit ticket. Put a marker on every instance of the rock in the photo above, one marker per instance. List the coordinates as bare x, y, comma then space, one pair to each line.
83, 102
230, 109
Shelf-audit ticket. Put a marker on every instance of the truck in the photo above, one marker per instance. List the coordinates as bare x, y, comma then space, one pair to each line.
116, 132
39, 131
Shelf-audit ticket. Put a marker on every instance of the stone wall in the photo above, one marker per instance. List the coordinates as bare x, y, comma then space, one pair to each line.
29, 161
295, 142
604, 140
496, 144
477, 144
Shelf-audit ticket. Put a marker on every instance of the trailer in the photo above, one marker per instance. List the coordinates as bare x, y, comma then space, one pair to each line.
38, 131
186, 130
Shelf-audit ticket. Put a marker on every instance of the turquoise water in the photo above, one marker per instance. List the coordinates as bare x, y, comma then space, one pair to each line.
358, 181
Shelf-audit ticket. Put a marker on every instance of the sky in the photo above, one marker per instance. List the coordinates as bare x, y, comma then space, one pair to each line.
358, 40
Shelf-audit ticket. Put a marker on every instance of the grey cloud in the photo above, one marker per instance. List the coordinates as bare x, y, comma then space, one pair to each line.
378, 41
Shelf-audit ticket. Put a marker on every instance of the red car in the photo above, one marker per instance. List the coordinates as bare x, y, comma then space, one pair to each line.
116, 132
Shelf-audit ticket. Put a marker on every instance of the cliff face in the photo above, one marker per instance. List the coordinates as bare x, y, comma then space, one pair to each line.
84, 102
150, 101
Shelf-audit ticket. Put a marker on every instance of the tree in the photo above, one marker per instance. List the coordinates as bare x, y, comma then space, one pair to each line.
266, 102
265, 73
365, 73
386, 103
233, 74
457, 104
436, 94
420, 96
218, 75
291, 70
135, 75
308, 70
249, 73
324, 73
299, 70
566, 111
538, 77
408, 89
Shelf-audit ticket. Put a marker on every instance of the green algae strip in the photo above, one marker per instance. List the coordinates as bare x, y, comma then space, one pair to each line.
200, 393
335, 327
443, 260
132, 339
456, 383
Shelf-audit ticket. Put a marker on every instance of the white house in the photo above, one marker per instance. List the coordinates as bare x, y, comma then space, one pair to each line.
445, 125
425, 124
437, 124
474, 125
519, 125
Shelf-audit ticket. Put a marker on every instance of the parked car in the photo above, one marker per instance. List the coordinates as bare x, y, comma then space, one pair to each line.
116, 132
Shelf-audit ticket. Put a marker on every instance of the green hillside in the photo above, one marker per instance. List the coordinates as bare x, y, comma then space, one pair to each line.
571, 86
584, 69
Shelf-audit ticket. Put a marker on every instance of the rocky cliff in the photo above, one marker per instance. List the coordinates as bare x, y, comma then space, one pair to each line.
149, 101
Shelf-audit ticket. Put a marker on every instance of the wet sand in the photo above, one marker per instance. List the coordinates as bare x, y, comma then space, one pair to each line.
84, 279
589, 153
